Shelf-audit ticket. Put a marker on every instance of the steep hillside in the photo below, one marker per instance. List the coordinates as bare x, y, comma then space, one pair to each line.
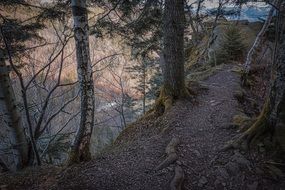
185, 147
136, 159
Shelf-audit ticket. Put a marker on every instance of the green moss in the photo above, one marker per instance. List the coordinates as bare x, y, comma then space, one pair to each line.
259, 127
242, 121
257, 130
163, 102
240, 95
203, 73
238, 69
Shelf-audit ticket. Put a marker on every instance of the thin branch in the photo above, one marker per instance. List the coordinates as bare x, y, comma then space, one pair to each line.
57, 112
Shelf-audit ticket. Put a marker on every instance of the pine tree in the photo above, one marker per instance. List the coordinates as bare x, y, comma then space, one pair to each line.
271, 120
233, 43
173, 55
13, 35
232, 47
146, 73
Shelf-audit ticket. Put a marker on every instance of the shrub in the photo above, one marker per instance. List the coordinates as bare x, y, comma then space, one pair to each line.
232, 47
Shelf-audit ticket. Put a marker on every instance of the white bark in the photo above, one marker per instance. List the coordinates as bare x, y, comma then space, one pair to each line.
258, 40
18, 140
80, 146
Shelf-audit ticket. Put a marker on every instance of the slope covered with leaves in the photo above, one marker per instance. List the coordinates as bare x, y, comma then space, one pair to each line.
203, 127
140, 157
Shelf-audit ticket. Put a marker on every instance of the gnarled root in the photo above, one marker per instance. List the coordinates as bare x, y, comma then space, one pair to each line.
167, 161
166, 99
163, 103
177, 181
254, 132
171, 154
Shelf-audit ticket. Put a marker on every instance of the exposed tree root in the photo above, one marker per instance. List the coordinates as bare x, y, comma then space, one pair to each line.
177, 181
171, 147
171, 154
247, 79
163, 103
251, 135
166, 99
166, 162
82, 156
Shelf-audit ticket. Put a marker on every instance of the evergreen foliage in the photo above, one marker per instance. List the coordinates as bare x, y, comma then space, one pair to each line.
232, 47
147, 74
140, 29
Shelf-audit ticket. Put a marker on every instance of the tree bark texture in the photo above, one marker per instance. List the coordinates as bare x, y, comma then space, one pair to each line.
277, 94
80, 146
18, 138
258, 40
173, 48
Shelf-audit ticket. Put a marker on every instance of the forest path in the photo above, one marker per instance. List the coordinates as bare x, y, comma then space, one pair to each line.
202, 128
206, 128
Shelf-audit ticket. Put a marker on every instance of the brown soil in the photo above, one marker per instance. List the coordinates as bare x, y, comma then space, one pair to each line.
203, 128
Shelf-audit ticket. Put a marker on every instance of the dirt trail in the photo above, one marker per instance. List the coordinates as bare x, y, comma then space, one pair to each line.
203, 129
206, 129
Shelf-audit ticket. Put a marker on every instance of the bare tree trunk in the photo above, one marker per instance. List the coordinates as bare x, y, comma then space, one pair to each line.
18, 139
213, 36
198, 19
32, 144
277, 117
173, 50
191, 22
271, 120
122, 103
256, 45
172, 58
277, 94
144, 88
80, 146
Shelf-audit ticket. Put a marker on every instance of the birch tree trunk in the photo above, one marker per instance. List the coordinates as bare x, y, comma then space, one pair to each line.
19, 143
271, 120
258, 40
80, 146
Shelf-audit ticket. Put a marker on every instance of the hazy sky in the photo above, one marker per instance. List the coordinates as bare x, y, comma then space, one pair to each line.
214, 3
